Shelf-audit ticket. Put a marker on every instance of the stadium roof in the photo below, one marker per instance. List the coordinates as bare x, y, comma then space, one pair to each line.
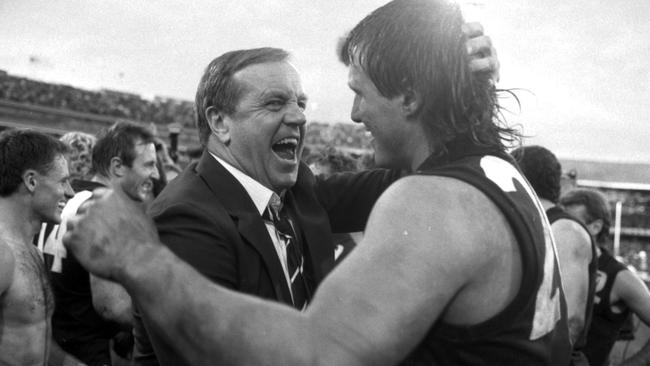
618, 175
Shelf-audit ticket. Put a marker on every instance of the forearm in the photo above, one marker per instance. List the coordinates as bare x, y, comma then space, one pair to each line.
210, 325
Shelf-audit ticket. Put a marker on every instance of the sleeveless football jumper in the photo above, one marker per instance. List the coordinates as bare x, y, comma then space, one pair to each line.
532, 329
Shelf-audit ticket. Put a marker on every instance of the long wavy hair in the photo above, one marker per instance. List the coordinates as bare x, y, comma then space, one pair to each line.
418, 46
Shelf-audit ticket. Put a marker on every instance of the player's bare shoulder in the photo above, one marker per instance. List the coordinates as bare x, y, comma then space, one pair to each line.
462, 230
569, 233
451, 204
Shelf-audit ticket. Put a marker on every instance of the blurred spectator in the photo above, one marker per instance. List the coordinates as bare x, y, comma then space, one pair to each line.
167, 164
80, 154
166, 167
569, 181
330, 160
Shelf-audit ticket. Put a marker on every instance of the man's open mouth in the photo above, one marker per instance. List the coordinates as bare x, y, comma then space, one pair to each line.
147, 186
287, 148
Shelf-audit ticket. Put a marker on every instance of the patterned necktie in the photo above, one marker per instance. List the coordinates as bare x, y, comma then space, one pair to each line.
295, 259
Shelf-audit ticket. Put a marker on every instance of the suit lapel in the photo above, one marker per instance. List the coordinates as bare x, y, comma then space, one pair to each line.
244, 214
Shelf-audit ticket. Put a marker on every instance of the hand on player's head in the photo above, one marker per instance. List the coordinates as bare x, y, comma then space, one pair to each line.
483, 55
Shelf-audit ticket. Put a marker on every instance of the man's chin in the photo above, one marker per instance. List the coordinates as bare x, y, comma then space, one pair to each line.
137, 196
284, 183
55, 219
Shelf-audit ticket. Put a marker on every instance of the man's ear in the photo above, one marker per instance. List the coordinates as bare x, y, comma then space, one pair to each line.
411, 103
218, 126
29, 180
117, 167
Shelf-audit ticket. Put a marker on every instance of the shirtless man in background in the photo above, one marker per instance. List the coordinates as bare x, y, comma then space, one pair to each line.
34, 187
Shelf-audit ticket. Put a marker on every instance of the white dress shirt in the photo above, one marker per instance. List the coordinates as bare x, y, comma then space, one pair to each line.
261, 196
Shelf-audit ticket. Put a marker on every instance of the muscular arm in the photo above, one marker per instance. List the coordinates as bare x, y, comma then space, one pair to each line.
630, 289
574, 253
111, 301
420, 245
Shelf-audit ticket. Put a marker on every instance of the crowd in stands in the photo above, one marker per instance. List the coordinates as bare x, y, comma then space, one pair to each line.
342, 135
104, 102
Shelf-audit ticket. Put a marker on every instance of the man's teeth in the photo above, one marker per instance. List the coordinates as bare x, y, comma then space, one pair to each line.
289, 141
286, 148
147, 186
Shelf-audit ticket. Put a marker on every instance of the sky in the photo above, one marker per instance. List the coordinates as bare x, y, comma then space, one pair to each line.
581, 68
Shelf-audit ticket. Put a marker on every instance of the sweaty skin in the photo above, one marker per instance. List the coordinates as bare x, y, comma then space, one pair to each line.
26, 305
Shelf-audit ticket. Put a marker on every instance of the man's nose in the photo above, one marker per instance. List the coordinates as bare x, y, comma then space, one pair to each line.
69, 193
156, 173
295, 116
354, 114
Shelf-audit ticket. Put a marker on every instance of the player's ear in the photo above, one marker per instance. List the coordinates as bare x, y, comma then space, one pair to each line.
217, 120
29, 180
117, 168
411, 103
595, 227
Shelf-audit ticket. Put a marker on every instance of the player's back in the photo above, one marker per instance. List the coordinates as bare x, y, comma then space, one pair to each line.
26, 307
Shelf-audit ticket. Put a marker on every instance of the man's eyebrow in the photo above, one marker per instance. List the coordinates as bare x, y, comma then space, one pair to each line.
271, 93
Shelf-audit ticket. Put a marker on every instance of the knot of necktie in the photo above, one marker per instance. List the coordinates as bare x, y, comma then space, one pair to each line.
274, 207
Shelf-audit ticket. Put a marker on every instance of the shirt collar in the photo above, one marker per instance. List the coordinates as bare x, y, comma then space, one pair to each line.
259, 194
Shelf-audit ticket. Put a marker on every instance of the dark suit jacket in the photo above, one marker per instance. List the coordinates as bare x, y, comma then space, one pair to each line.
207, 218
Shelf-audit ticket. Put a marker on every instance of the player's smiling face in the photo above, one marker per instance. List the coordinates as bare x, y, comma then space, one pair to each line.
52, 190
382, 117
138, 180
